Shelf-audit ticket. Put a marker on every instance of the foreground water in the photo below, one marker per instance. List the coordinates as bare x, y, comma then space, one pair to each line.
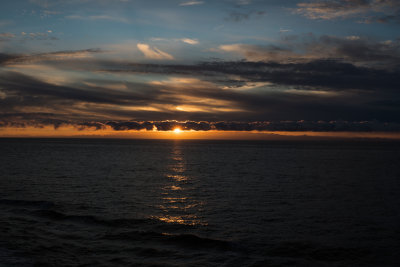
198, 203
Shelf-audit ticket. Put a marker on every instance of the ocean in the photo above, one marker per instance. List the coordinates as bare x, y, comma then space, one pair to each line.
107, 202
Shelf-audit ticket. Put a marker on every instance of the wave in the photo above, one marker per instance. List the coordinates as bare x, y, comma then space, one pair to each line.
316, 252
118, 230
189, 241
88, 219
27, 203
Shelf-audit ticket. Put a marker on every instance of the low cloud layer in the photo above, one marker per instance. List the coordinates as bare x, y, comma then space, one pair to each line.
270, 126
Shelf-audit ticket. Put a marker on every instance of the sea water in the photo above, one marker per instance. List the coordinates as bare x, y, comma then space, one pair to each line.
99, 202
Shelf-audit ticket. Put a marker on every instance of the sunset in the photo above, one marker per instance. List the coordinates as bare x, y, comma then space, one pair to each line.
96, 64
199, 132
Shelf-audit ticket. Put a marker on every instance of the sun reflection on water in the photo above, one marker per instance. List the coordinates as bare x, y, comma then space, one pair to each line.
177, 202
172, 187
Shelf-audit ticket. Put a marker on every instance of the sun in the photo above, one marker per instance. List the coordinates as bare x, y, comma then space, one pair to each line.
177, 130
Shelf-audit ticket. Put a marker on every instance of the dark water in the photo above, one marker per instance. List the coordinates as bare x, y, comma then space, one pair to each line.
199, 203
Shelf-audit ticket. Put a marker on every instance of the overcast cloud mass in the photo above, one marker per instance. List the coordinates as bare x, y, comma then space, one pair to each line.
228, 65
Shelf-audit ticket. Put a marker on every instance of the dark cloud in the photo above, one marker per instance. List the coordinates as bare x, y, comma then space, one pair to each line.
327, 74
316, 90
357, 49
291, 126
368, 10
320, 90
307, 47
6, 59
339, 87
321, 126
22, 88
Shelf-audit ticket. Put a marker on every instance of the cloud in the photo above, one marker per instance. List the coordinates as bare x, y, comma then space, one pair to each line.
282, 30
243, 2
153, 53
369, 10
184, 40
4, 22
43, 3
7, 35
190, 41
52, 3
99, 17
241, 16
336, 90
260, 126
7, 59
337, 71
259, 53
191, 3
299, 78
294, 48
41, 36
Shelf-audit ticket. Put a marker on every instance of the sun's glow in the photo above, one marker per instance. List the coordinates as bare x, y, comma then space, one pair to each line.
177, 130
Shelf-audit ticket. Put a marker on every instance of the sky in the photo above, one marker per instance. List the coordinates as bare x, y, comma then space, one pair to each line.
111, 66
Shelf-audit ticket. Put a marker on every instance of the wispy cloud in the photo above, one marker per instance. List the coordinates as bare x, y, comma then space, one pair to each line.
243, 2
4, 22
191, 3
99, 17
7, 35
190, 41
153, 52
184, 40
283, 30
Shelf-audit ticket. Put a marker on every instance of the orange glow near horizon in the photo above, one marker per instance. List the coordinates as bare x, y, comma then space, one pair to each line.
177, 133
177, 130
